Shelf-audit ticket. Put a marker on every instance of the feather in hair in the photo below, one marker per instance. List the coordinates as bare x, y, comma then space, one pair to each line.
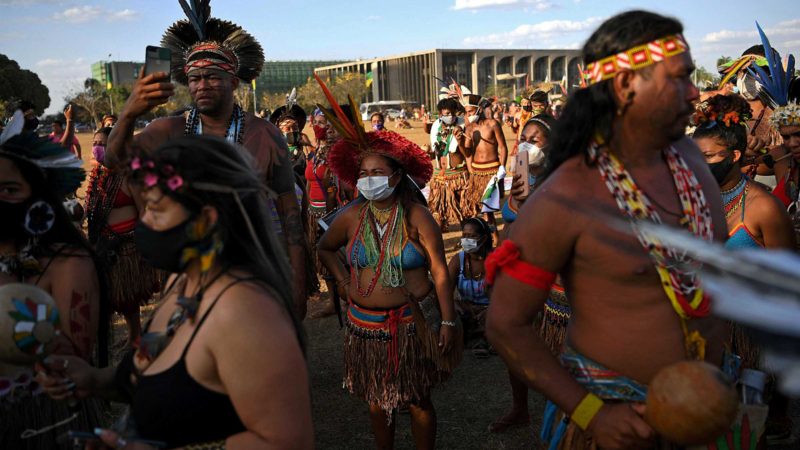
734, 69
291, 100
339, 119
775, 86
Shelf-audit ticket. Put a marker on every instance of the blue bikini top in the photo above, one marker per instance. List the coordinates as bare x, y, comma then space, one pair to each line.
410, 258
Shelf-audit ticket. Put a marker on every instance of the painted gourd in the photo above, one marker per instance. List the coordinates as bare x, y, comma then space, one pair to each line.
28, 323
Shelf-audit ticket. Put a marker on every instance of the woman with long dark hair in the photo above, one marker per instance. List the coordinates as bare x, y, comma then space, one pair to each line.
111, 215
401, 329
40, 246
224, 339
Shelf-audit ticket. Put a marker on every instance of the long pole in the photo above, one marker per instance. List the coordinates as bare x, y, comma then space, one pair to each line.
108, 82
255, 107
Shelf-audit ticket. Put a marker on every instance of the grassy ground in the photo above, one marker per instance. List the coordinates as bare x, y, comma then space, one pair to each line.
478, 393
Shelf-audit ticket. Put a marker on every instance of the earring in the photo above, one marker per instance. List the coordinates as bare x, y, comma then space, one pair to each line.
40, 218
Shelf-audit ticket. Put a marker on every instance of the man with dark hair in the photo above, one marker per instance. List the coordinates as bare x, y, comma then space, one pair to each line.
540, 104
64, 132
618, 152
377, 120
212, 60
487, 152
450, 176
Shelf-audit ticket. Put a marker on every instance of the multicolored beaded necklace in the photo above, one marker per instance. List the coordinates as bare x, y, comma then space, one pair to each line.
734, 198
680, 285
380, 239
235, 133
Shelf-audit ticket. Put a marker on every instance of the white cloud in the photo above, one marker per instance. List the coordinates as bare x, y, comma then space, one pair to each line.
78, 14
539, 5
62, 76
540, 34
88, 13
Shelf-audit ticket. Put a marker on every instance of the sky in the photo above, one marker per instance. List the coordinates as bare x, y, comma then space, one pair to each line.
60, 39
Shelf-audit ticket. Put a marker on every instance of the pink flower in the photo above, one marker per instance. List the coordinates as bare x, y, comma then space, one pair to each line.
150, 180
149, 164
168, 169
174, 182
136, 164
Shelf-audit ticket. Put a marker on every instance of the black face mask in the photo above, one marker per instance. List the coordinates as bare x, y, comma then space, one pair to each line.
528, 108
12, 224
31, 124
721, 169
164, 249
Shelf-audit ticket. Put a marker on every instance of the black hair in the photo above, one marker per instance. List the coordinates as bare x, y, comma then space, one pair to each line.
732, 136
25, 105
204, 159
591, 110
538, 119
61, 120
539, 97
449, 103
379, 114
794, 90
483, 228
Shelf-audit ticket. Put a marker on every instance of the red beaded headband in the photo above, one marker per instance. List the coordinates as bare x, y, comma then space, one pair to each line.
636, 58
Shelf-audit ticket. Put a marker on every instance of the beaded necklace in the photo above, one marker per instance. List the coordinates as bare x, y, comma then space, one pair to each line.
235, 133
377, 246
734, 198
680, 285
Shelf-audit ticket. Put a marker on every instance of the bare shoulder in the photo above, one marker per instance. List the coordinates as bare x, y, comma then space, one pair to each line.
164, 126
71, 263
419, 214
764, 202
247, 301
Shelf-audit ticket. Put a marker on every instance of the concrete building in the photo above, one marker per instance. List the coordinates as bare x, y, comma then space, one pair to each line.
412, 77
116, 72
282, 76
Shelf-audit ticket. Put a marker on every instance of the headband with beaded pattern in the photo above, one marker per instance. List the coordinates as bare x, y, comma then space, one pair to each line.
636, 58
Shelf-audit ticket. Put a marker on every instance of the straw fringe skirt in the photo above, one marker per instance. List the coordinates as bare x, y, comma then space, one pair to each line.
386, 362
131, 281
478, 181
446, 202
39, 411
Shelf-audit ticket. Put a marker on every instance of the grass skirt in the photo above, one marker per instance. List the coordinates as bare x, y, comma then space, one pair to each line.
446, 201
478, 181
384, 360
26, 408
131, 281
555, 318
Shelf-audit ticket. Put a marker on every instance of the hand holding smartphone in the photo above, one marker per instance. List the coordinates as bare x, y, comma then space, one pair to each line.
157, 59
523, 159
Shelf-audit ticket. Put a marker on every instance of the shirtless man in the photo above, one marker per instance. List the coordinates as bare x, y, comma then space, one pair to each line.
622, 319
486, 157
209, 71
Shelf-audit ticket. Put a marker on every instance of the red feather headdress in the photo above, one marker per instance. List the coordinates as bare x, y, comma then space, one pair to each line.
344, 158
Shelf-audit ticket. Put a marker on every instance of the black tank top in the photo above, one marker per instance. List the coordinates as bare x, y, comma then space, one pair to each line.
172, 407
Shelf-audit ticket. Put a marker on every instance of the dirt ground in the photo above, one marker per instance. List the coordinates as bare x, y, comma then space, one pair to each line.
478, 393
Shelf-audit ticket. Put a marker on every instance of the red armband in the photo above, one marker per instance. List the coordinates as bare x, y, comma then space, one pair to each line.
506, 259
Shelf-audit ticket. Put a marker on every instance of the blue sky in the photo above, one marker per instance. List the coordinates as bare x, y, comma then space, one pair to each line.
59, 39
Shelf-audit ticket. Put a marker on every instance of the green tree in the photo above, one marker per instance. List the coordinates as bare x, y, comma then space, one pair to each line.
20, 84
703, 77
723, 60
93, 99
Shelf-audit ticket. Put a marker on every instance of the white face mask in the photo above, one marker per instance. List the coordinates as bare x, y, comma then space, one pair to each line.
535, 154
447, 120
474, 118
375, 188
470, 245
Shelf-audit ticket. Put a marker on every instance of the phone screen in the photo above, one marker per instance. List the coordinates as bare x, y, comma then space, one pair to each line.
157, 59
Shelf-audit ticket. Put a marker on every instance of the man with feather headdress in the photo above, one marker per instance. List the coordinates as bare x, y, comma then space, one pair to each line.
212, 56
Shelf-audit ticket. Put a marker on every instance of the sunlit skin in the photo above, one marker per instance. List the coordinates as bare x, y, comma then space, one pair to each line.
605, 272
425, 235
764, 215
787, 156
375, 120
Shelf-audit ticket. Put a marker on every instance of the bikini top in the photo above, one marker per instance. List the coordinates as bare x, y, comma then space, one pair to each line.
740, 237
410, 258
473, 291
172, 407
122, 199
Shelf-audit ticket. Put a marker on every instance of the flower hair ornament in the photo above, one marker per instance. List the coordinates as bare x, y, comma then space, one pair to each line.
708, 116
345, 157
203, 42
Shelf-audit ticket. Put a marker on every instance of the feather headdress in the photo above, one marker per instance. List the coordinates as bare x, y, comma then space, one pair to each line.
345, 157
774, 87
291, 110
202, 42
63, 171
453, 90
774, 90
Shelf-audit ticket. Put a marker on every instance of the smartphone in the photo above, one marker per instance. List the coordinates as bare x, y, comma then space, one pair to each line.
522, 170
157, 59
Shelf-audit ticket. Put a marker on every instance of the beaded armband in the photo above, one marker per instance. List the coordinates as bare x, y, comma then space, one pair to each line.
506, 258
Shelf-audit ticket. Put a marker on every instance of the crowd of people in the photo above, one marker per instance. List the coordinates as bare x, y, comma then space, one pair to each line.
228, 223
